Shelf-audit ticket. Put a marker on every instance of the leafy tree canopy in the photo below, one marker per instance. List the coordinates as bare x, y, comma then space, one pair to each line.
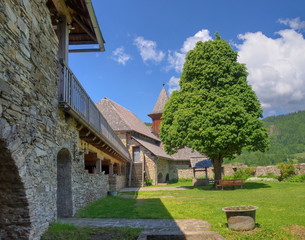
215, 111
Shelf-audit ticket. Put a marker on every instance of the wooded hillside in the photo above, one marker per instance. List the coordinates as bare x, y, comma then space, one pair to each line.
287, 141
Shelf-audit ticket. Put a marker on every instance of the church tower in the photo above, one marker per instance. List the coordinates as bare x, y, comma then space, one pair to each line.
156, 113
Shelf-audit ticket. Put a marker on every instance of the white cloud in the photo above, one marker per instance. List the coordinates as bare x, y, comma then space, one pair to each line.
276, 69
203, 35
148, 50
294, 23
120, 56
176, 59
173, 84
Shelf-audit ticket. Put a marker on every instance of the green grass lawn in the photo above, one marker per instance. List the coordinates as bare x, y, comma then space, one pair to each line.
61, 231
281, 205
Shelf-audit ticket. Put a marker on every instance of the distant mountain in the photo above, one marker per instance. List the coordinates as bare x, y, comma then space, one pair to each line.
287, 141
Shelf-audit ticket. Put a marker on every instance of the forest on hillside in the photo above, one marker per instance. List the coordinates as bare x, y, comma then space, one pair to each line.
287, 141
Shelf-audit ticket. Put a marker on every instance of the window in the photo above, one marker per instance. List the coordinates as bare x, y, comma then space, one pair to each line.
136, 154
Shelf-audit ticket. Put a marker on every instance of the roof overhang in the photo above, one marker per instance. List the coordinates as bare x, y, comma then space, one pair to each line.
154, 149
85, 34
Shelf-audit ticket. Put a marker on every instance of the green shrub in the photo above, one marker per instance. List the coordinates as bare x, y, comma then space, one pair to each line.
148, 181
227, 177
175, 180
184, 179
287, 170
243, 173
296, 178
269, 175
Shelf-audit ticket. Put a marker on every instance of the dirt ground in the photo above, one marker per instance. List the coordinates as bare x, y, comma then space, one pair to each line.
297, 231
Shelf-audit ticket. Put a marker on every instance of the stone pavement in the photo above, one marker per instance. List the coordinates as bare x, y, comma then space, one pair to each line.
136, 189
157, 224
194, 228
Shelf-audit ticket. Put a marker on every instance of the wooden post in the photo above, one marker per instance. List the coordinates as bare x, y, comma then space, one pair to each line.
142, 182
63, 38
98, 165
110, 168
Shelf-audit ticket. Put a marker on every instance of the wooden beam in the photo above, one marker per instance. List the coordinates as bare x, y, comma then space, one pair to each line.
63, 38
84, 133
79, 127
63, 9
81, 24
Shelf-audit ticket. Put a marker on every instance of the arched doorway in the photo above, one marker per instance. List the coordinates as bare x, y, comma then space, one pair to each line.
160, 178
15, 220
64, 184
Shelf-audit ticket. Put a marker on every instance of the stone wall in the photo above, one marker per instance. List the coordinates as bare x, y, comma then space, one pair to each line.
162, 170
28, 118
116, 183
299, 168
182, 169
88, 188
150, 166
33, 131
264, 170
146, 157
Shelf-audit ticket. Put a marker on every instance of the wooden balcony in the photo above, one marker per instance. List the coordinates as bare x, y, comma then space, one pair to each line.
92, 125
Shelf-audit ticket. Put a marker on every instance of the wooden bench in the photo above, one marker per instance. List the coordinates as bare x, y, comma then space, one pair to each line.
230, 182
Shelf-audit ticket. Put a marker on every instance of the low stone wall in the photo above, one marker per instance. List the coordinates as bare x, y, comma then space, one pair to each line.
299, 168
182, 170
265, 170
88, 188
116, 183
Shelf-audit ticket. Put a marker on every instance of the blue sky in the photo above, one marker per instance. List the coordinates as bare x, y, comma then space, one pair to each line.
146, 42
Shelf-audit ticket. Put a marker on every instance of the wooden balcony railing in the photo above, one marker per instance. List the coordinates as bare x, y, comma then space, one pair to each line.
73, 96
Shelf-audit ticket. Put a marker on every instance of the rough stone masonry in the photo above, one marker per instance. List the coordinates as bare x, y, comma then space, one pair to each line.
35, 136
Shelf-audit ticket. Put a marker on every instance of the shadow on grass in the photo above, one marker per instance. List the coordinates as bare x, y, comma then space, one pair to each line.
125, 206
255, 185
247, 185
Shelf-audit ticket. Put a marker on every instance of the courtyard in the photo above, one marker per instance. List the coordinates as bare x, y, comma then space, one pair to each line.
281, 213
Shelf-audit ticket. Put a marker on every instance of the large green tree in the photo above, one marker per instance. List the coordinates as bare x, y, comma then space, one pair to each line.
215, 112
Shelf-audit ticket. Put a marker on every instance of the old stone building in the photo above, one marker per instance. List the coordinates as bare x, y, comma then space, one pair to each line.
150, 161
52, 137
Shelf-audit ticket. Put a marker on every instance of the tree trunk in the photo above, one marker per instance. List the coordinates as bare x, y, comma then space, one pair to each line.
217, 167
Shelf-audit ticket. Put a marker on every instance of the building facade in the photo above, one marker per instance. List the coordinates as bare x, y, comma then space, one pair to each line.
150, 162
52, 138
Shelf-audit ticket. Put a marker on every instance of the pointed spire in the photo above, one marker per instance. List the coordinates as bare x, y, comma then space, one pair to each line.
161, 101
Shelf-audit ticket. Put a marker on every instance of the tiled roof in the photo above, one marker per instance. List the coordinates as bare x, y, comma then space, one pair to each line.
187, 153
161, 101
200, 163
153, 148
121, 119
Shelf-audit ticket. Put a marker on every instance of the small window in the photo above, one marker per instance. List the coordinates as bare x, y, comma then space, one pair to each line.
136, 154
